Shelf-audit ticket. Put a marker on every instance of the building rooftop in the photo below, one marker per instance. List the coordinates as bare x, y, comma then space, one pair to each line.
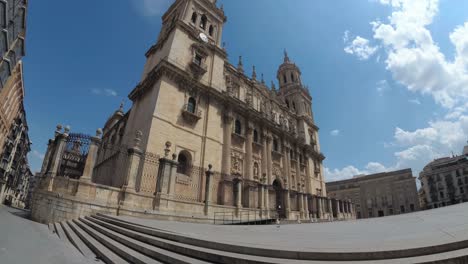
359, 178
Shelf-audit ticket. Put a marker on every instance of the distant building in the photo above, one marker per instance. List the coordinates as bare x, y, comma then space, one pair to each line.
445, 181
380, 194
14, 140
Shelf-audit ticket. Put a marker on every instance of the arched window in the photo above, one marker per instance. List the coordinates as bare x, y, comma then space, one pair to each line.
194, 17
238, 127
184, 160
291, 154
192, 104
284, 78
275, 145
203, 22
292, 77
287, 103
255, 136
294, 106
211, 30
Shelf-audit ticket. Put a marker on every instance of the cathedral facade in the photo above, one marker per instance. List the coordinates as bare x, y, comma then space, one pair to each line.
202, 137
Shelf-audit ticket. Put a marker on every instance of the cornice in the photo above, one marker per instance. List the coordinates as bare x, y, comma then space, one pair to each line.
193, 35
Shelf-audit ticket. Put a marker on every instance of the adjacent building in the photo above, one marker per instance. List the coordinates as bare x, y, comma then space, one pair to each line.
14, 140
380, 194
444, 181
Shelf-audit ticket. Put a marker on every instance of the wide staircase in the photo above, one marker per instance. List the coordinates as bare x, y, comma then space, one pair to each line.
108, 239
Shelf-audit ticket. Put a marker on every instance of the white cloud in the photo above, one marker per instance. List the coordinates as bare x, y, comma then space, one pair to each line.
382, 86
106, 92
37, 154
349, 172
415, 101
415, 60
335, 132
359, 47
151, 8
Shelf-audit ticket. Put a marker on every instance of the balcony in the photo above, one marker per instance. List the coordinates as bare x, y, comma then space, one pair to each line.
191, 115
197, 67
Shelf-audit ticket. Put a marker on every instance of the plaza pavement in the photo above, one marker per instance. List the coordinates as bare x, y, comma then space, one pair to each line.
413, 230
23, 241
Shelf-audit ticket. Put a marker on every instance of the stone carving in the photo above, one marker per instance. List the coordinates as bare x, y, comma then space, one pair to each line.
167, 149
277, 172
236, 163
256, 170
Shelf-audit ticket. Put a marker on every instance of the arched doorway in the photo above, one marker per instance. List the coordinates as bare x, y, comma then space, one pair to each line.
279, 199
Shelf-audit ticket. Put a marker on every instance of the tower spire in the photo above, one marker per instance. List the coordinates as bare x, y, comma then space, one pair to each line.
263, 80
240, 65
286, 57
254, 74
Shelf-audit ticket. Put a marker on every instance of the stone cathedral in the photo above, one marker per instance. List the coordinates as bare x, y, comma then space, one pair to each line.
202, 137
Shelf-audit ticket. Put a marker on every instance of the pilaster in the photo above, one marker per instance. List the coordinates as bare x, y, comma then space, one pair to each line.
248, 151
92, 156
227, 133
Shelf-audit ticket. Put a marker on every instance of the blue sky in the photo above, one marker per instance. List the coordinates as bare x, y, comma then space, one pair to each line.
388, 78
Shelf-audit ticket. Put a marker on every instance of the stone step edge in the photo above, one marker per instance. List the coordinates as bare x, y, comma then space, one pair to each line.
140, 246
123, 251
100, 250
79, 244
196, 252
288, 254
228, 257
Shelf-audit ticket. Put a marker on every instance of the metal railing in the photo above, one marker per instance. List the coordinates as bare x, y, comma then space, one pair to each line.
247, 217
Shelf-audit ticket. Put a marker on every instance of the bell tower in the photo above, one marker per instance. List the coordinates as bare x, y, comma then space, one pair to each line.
291, 90
190, 38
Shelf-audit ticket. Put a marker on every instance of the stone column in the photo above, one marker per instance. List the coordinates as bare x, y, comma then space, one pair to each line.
239, 197
265, 157
298, 170
306, 205
92, 156
319, 209
50, 150
167, 172
308, 176
261, 199
133, 164
60, 145
287, 203
330, 206
300, 198
227, 134
266, 198
208, 174
248, 152
337, 205
269, 160
285, 164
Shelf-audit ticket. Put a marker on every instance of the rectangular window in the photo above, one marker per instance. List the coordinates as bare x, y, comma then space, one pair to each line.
198, 59
412, 207
402, 209
3, 15
3, 43
462, 190
441, 194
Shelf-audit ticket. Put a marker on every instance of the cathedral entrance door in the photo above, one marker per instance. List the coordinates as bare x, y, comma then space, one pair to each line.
279, 199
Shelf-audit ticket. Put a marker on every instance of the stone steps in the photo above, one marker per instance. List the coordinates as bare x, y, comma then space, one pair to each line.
114, 240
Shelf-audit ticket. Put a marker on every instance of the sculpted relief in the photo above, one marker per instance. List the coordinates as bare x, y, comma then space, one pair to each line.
236, 163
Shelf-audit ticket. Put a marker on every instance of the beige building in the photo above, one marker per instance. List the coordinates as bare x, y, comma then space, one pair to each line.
380, 194
444, 181
202, 137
